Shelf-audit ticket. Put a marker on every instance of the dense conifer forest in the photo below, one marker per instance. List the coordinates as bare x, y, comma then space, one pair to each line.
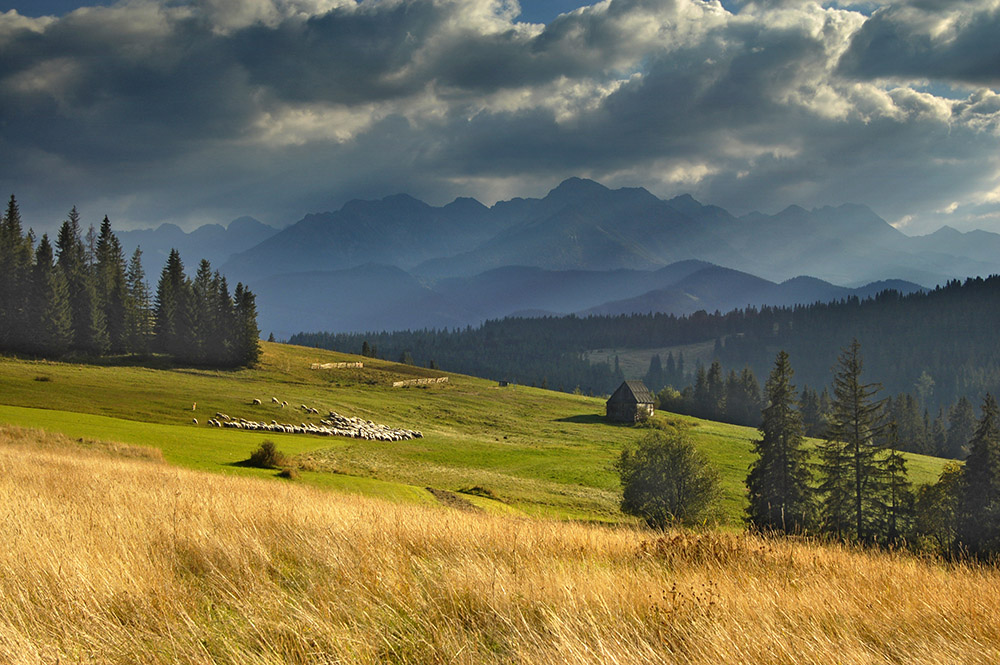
82, 297
934, 352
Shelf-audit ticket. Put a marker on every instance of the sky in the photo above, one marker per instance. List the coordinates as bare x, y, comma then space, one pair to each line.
201, 111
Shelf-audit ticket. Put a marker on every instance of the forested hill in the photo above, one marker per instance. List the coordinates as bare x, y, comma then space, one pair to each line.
950, 333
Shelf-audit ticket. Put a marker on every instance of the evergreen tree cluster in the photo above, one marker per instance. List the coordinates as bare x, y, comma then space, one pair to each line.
84, 297
735, 399
857, 488
945, 435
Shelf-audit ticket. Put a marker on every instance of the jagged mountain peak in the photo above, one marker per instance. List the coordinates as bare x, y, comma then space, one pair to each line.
793, 211
946, 232
466, 205
577, 187
246, 223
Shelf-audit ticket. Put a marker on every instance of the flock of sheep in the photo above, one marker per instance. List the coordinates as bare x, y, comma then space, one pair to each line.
333, 425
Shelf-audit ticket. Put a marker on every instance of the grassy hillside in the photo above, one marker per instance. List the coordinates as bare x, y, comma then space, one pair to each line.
111, 556
514, 449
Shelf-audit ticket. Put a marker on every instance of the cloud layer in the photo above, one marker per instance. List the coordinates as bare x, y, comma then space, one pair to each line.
157, 110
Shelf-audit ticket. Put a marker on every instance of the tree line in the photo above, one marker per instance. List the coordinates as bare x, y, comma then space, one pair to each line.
736, 398
934, 351
81, 296
856, 486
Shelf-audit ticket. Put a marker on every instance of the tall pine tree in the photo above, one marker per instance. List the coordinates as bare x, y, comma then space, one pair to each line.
111, 287
89, 333
204, 321
246, 340
961, 427
15, 280
979, 517
850, 465
894, 492
139, 314
171, 326
778, 482
50, 310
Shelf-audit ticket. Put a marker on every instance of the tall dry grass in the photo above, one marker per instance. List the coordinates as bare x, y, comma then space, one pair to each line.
107, 559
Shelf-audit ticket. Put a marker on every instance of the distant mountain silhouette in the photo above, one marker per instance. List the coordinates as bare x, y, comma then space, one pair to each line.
211, 241
377, 297
716, 288
397, 230
582, 248
583, 225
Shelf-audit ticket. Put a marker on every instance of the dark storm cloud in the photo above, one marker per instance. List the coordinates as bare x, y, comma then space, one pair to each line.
206, 110
950, 41
102, 92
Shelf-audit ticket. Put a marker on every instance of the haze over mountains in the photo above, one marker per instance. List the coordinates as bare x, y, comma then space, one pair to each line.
401, 263
212, 241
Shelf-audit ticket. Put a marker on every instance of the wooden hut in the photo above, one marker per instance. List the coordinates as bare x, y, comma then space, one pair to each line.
631, 403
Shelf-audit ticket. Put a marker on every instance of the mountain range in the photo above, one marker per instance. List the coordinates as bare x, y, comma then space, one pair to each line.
399, 263
582, 225
377, 297
214, 242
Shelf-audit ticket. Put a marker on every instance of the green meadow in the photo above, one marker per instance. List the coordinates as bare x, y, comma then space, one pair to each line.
513, 449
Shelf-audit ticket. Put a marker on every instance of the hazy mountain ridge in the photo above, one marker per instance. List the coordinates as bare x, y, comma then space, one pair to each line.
582, 225
583, 248
211, 241
377, 297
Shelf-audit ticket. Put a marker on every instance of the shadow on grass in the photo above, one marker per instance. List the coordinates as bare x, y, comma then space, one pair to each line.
148, 361
247, 464
587, 419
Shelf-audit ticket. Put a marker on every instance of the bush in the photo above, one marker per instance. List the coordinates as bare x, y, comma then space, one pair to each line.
666, 480
266, 457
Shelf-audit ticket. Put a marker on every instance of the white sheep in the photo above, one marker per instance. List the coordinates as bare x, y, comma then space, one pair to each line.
256, 401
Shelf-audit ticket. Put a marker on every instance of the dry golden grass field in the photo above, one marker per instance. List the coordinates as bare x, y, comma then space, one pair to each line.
111, 556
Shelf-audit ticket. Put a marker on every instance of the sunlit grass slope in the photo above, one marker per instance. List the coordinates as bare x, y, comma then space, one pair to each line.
519, 449
113, 557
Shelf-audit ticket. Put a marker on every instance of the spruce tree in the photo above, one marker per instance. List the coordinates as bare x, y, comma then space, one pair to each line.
701, 397
716, 391
139, 315
50, 311
732, 399
220, 345
812, 419
895, 493
937, 508
742, 398
961, 426
205, 324
15, 281
654, 379
939, 436
670, 372
89, 333
111, 286
979, 521
246, 341
171, 322
849, 459
778, 482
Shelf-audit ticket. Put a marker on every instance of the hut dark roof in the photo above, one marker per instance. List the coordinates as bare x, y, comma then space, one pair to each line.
634, 392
